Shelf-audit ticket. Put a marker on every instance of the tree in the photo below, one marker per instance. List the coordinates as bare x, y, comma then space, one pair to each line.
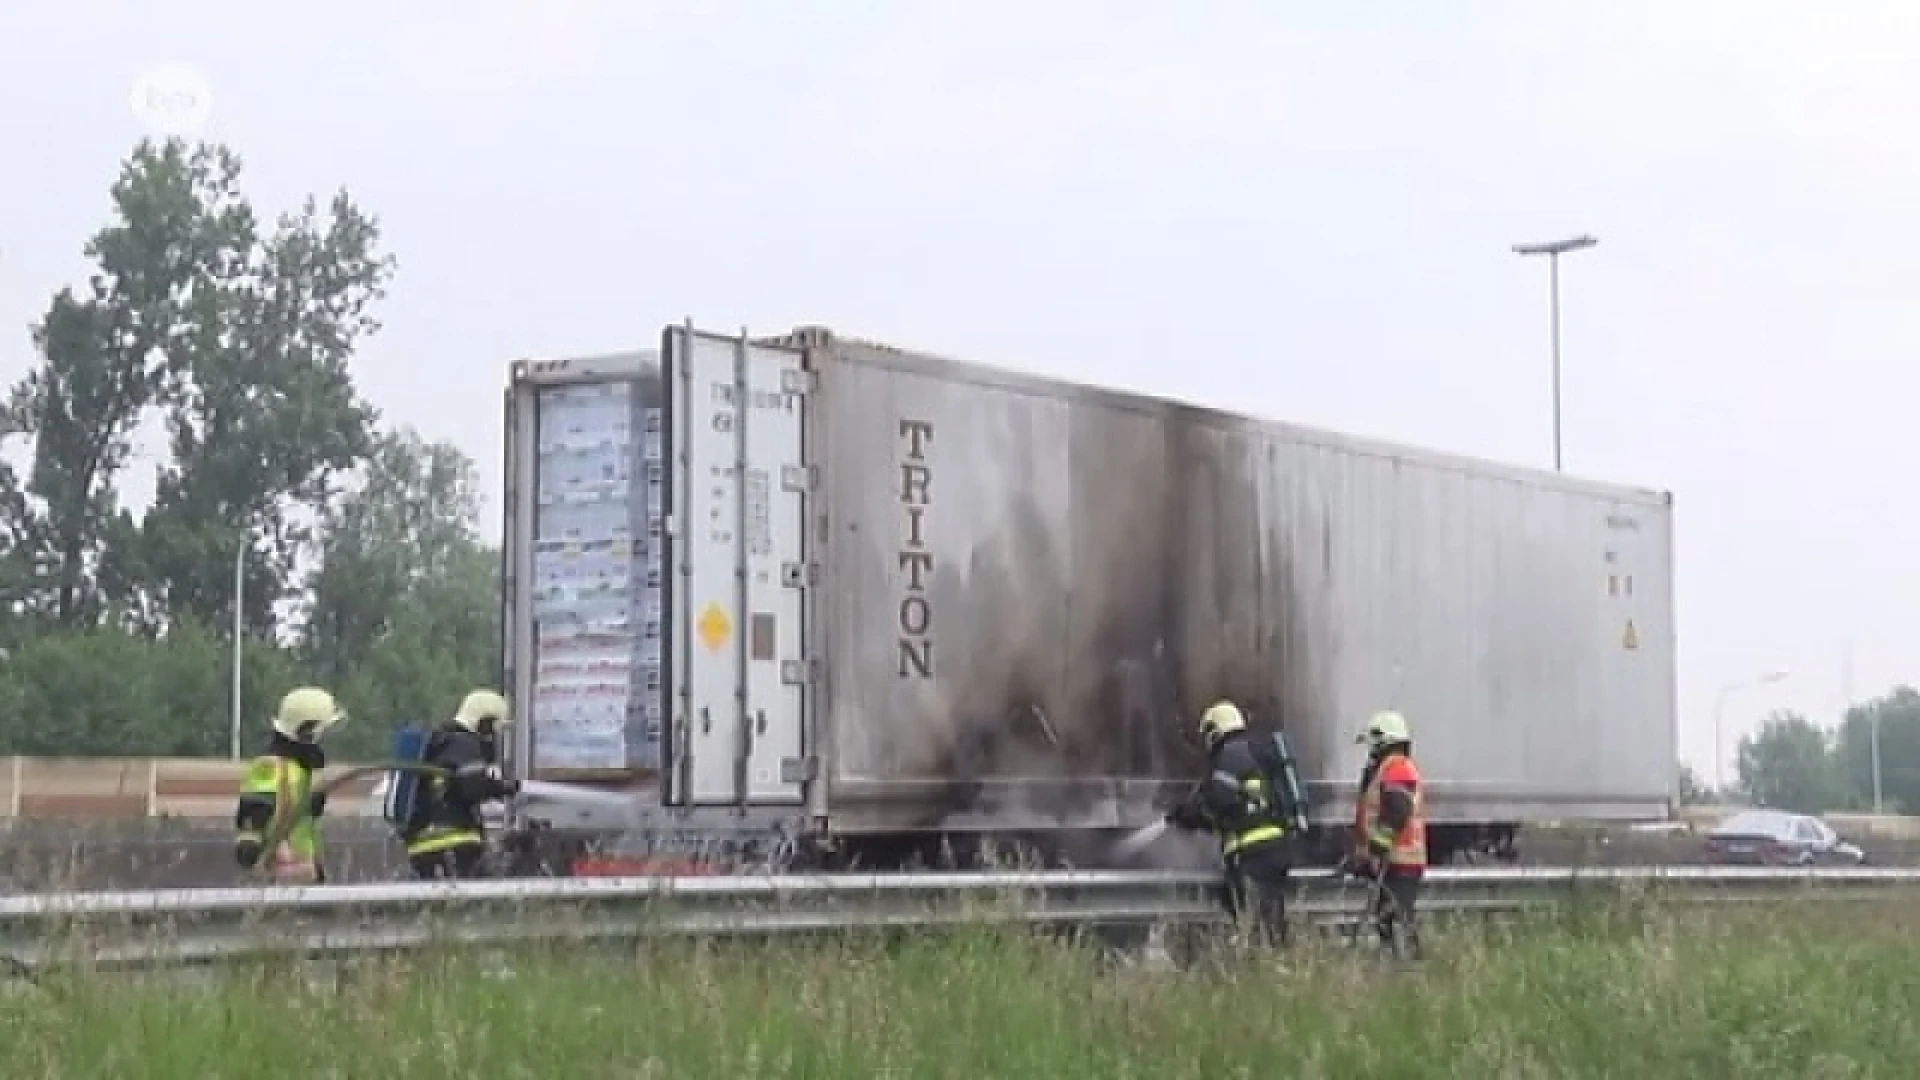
81, 406
1898, 715
22, 567
103, 357
1693, 792
101, 690
243, 339
1789, 764
239, 336
262, 411
405, 609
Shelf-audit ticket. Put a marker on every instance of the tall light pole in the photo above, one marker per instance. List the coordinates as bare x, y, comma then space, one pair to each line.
1553, 251
1719, 713
239, 634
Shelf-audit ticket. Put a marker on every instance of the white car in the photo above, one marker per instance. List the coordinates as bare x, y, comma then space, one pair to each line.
1779, 838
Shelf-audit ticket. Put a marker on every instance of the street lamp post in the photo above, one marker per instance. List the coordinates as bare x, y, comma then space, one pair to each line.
239, 634
1719, 713
1553, 251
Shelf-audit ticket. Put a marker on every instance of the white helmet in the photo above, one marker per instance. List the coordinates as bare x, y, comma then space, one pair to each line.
1386, 728
1220, 718
306, 713
481, 706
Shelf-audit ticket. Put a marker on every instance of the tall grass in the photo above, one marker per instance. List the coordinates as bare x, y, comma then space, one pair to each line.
1785, 990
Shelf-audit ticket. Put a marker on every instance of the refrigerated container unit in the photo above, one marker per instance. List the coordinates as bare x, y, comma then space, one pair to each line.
811, 595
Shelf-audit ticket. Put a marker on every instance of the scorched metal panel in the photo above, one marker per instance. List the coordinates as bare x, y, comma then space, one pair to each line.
1033, 587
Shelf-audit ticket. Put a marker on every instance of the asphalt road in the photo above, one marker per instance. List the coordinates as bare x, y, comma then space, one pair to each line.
42, 856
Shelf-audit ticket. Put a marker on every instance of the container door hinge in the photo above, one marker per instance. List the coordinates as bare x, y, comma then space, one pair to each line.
795, 575
800, 672
800, 478
798, 381
799, 770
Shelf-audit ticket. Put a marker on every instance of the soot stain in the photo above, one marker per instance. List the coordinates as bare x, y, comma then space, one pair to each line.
1191, 603
1002, 708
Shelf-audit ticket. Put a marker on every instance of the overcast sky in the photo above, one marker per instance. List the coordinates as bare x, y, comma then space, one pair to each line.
1302, 210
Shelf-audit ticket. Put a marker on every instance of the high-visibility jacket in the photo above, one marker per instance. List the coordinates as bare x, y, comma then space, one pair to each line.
1406, 847
273, 782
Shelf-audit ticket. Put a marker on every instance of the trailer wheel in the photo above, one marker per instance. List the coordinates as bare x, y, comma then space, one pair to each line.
1506, 843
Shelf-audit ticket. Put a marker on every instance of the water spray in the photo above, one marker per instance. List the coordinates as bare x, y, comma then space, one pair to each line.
1140, 839
572, 793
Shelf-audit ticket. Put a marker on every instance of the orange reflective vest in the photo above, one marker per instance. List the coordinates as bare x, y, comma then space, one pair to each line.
1408, 847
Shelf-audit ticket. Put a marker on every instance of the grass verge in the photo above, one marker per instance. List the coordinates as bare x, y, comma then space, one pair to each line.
1791, 990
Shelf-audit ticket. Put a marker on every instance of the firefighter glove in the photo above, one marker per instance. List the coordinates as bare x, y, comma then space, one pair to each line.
317, 803
247, 853
1186, 816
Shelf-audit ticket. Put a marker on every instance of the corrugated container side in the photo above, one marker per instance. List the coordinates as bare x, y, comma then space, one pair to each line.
1033, 582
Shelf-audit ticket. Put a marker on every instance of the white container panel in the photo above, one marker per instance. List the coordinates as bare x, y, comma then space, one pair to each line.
949, 571
1492, 609
1085, 570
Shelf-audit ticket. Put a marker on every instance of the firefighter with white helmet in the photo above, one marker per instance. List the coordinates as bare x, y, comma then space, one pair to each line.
446, 837
1241, 800
1390, 830
277, 821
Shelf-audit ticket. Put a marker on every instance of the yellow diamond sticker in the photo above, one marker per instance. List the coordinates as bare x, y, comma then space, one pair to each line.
714, 626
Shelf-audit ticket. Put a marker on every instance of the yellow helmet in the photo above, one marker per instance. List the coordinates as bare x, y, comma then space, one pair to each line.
1220, 718
1385, 729
481, 706
306, 713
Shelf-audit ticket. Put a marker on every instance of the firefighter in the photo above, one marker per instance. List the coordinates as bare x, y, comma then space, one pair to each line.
1239, 800
1390, 832
447, 838
277, 821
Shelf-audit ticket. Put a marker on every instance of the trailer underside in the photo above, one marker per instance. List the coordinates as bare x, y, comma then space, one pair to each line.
579, 851
1052, 822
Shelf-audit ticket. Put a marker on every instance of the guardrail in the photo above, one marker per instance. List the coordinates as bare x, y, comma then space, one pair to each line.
178, 926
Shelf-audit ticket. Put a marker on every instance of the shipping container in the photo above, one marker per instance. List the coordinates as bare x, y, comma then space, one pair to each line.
830, 590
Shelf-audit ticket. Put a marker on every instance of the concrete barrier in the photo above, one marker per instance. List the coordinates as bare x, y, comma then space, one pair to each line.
130, 789
49, 856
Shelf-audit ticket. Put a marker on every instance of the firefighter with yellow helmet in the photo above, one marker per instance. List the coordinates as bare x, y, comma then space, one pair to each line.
1241, 800
445, 837
277, 821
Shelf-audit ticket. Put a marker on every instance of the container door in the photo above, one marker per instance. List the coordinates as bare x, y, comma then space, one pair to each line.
738, 558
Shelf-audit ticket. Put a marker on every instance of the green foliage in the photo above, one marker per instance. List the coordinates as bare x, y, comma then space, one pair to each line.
405, 611
1789, 764
1898, 719
237, 336
1693, 790
104, 691
1795, 765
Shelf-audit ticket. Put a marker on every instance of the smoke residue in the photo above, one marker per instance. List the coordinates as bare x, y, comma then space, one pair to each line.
1099, 574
